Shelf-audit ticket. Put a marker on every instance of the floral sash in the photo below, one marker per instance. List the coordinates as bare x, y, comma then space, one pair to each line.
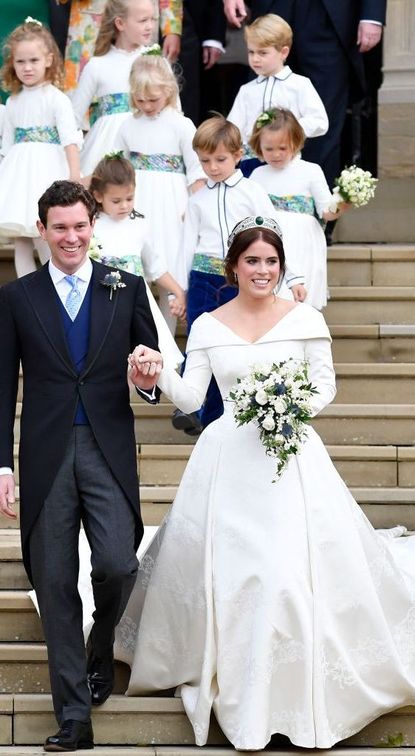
157, 162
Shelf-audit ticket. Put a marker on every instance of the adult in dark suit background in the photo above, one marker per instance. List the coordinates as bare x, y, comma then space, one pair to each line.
329, 38
77, 456
202, 44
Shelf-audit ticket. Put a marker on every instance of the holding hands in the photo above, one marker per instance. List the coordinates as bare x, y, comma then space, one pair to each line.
144, 367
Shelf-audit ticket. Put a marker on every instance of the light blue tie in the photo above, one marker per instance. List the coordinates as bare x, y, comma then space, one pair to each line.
74, 298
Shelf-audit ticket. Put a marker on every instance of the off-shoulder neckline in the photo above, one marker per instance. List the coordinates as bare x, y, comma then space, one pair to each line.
256, 341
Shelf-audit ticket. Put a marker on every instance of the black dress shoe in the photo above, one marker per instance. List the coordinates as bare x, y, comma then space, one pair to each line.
100, 675
190, 423
72, 736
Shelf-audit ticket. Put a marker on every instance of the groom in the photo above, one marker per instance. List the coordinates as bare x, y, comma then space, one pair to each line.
72, 325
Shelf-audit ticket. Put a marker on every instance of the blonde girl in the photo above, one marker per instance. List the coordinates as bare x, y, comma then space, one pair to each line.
300, 195
157, 138
127, 30
121, 240
40, 138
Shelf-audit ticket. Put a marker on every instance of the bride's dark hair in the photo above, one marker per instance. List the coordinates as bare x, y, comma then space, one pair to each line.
242, 241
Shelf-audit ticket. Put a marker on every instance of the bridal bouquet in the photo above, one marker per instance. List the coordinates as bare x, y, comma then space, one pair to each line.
277, 398
354, 185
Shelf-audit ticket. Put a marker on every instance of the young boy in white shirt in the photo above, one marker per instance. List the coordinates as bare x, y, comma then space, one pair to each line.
269, 39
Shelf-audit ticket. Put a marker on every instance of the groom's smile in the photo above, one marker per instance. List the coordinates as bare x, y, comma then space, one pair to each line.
68, 232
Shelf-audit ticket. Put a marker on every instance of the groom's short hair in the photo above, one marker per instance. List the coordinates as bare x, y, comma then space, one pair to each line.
65, 194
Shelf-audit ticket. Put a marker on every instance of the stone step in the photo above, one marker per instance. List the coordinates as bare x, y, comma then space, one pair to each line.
15, 750
370, 304
164, 464
367, 424
373, 343
156, 500
380, 382
153, 722
353, 424
371, 265
383, 383
24, 669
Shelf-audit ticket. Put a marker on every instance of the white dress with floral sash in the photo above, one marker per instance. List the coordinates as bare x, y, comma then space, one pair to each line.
276, 605
38, 124
300, 194
124, 244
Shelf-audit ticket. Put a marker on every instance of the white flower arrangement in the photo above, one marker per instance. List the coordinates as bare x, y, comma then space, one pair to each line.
277, 398
354, 185
152, 50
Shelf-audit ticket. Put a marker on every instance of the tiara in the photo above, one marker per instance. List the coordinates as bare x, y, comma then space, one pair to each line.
255, 222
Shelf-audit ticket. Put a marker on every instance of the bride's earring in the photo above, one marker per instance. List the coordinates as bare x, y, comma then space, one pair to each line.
235, 278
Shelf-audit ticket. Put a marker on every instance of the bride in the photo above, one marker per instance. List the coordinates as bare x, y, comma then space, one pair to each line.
275, 604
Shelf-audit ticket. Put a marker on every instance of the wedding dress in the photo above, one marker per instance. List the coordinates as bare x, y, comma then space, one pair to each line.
277, 605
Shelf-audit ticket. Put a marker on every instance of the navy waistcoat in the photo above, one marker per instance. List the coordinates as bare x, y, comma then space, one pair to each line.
77, 338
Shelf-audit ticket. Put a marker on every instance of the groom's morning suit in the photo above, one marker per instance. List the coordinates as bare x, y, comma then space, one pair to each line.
70, 378
325, 50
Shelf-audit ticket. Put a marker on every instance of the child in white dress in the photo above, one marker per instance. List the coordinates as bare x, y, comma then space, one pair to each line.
121, 240
269, 39
40, 138
2, 114
300, 195
157, 138
127, 28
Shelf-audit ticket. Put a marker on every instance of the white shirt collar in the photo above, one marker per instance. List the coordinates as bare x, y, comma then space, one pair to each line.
281, 75
230, 181
84, 272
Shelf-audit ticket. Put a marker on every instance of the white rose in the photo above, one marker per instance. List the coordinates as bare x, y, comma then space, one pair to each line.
268, 423
261, 397
279, 405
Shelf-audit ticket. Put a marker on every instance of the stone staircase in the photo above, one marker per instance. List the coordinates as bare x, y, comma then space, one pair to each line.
370, 434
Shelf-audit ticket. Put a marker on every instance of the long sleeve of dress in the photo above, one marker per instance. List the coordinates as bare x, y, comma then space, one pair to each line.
188, 392
194, 170
154, 265
320, 190
84, 92
321, 372
65, 122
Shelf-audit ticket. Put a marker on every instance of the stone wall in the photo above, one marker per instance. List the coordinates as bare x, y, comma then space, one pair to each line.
397, 95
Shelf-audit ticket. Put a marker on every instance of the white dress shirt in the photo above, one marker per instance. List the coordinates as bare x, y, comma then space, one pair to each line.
63, 287
284, 89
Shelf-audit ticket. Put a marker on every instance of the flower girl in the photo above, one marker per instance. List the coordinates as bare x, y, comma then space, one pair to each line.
157, 138
121, 241
126, 30
300, 195
40, 138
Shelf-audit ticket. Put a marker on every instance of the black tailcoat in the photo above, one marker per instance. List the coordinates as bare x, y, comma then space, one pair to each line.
31, 331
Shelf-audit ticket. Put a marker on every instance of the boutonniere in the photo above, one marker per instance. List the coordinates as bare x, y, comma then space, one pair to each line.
113, 281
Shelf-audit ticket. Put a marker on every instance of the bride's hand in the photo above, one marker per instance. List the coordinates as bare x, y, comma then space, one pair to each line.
145, 364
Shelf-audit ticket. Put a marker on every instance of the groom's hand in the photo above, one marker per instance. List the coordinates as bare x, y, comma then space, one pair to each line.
145, 365
7, 497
